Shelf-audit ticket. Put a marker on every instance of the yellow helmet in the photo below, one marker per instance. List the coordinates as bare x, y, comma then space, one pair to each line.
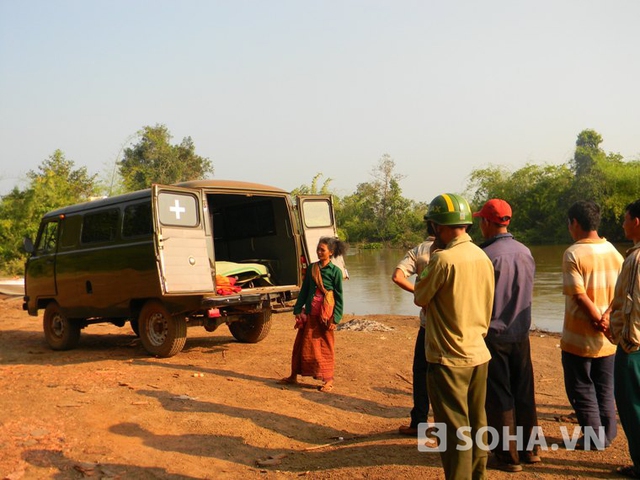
449, 209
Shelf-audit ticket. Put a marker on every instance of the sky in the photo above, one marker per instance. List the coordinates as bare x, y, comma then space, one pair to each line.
276, 91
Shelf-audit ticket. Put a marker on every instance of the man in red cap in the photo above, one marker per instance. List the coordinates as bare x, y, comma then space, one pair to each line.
510, 390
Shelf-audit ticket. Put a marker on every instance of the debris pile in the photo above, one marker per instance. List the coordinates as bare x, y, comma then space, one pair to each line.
364, 326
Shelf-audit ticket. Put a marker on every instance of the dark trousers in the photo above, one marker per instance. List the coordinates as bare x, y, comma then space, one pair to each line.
420, 408
510, 395
627, 392
589, 386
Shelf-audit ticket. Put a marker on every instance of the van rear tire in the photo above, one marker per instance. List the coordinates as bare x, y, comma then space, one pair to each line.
161, 333
60, 332
251, 328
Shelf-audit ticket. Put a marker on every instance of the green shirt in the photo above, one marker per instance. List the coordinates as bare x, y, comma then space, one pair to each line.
332, 280
457, 289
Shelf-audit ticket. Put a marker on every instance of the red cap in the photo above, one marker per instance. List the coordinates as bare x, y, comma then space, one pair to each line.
496, 211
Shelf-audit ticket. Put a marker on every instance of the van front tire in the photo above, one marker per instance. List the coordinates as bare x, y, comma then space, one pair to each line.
161, 333
252, 328
60, 332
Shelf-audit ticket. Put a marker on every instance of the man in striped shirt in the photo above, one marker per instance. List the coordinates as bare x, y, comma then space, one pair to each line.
590, 268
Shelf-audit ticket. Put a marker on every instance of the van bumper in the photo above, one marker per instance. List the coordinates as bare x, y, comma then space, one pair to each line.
244, 299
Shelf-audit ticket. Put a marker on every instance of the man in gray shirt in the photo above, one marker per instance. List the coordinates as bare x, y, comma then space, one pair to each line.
413, 263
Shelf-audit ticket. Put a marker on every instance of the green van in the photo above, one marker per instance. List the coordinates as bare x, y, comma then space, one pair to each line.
200, 253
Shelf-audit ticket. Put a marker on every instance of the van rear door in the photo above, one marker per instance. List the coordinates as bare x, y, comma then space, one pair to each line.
181, 247
317, 220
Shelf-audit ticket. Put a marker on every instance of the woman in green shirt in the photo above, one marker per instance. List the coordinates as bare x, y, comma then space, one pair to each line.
313, 350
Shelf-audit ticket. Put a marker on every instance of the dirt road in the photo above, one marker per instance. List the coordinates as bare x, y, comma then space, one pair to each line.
214, 411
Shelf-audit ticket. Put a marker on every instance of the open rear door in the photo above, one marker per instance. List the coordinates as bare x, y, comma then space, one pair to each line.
181, 246
317, 220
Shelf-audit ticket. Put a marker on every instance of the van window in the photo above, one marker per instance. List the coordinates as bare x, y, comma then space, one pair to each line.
48, 238
100, 226
178, 209
70, 230
317, 213
137, 220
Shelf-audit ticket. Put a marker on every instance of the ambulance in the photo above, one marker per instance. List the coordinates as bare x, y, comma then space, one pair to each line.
202, 253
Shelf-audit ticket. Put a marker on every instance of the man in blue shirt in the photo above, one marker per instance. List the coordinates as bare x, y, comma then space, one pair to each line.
510, 389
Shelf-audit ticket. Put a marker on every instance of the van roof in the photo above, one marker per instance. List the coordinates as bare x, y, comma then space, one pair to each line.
228, 186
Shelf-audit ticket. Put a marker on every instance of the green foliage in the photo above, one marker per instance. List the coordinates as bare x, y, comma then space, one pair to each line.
377, 211
154, 160
621, 182
540, 195
313, 188
535, 193
606, 179
55, 184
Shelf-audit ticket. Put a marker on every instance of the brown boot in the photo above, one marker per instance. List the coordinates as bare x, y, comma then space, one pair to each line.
531, 457
497, 463
408, 430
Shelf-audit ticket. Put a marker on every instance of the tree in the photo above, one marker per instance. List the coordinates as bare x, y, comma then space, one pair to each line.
586, 162
540, 195
622, 180
587, 151
154, 160
534, 193
356, 214
313, 188
488, 182
390, 205
55, 184
378, 212
604, 178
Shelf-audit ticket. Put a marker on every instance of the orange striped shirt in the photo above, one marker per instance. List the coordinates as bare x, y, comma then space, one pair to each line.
589, 267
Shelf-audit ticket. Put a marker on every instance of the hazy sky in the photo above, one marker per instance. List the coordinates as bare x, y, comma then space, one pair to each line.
276, 91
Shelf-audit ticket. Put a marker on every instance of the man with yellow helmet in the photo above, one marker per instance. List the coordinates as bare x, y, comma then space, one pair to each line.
456, 290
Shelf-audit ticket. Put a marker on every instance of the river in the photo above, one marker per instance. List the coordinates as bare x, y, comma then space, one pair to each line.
371, 291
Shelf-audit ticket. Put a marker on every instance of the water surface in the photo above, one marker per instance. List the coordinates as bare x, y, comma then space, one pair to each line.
371, 291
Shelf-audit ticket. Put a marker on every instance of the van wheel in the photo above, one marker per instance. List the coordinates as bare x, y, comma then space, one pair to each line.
161, 333
251, 328
60, 332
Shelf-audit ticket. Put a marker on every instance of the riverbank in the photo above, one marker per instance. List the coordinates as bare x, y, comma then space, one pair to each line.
108, 410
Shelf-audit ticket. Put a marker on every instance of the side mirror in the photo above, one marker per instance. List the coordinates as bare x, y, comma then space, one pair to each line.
27, 244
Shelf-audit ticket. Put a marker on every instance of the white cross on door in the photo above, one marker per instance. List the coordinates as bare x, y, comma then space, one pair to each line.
177, 209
